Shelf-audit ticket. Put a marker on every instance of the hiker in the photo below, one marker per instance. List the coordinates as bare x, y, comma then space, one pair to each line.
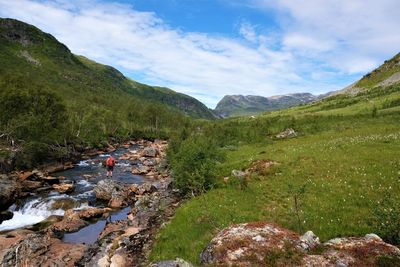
110, 163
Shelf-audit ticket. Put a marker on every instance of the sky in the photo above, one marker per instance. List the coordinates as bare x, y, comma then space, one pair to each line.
211, 48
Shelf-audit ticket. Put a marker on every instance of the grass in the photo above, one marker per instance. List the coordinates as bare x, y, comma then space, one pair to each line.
346, 169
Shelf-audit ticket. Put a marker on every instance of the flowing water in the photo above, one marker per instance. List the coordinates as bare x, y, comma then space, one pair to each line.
85, 175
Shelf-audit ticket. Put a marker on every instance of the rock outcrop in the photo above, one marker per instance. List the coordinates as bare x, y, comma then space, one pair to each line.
41, 249
9, 190
114, 192
262, 243
288, 133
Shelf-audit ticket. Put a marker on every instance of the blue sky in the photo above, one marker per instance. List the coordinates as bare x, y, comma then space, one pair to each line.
209, 49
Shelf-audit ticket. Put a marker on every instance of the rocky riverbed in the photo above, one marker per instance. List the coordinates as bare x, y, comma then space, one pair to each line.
83, 218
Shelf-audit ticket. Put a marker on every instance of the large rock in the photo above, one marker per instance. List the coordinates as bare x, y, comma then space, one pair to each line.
116, 193
41, 249
9, 191
5, 215
248, 244
172, 263
64, 188
288, 133
150, 152
264, 244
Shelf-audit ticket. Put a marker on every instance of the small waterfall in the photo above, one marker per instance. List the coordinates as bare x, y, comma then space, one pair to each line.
32, 212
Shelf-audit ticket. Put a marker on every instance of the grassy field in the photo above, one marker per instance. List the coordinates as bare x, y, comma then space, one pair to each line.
346, 164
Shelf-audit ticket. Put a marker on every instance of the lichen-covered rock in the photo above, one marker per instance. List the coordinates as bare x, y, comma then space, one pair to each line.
288, 133
249, 244
264, 244
309, 240
41, 249
172, 263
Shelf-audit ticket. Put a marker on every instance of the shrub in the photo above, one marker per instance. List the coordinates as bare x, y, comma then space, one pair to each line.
194, 164
387, 219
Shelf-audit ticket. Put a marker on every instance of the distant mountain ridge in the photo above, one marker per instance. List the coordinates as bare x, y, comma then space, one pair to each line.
237, 105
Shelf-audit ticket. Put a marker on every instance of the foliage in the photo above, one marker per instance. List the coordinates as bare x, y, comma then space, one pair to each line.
52, 97
387, 218
194, 164
345, 160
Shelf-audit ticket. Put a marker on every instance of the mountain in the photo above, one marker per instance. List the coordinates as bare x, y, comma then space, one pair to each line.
28, 50
54, 103
383, 76
237, 105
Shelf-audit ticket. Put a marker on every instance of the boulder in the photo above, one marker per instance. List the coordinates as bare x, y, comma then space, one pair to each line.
150, 162
24, 175
150, 152
288, 133
262, 243
309, 240
41, 249
172, 263
5, 215
140, 170
9, 190
146, 188
116, 193
106, 189
249, 244
238, 174
64, 188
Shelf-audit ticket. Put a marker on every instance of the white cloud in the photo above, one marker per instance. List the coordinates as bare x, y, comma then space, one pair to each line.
316, 36
248, 32
351, 36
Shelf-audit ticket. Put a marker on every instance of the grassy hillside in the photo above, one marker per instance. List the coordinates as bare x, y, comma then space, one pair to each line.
52, 100
385, 71
343, 167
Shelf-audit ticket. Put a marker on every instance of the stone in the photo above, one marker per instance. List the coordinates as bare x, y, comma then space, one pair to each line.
372, 237
146, 188
238, 174
141, 170
107, 188
150, 152
64, 188
251, 244
5, 215
172, 263
288, 133
9, 191
309, 240
25, 175
41, 249
248, 244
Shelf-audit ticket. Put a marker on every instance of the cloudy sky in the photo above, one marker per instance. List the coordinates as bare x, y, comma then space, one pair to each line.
210, 48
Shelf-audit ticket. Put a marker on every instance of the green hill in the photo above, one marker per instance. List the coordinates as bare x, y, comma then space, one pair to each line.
338, 177
52, 100
41, 52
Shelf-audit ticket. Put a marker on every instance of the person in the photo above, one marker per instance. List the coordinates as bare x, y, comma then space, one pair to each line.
110, 163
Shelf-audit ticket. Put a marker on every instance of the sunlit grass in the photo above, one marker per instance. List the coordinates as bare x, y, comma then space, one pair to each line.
345, 173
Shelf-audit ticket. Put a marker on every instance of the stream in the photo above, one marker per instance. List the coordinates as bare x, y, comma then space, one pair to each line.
86, 174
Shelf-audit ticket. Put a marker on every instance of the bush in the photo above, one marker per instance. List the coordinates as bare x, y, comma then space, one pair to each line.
387, 219
194, 164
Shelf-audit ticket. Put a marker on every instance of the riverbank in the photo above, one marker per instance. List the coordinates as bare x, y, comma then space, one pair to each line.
125, 239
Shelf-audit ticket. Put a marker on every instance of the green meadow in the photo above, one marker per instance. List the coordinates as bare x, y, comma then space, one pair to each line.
341, 166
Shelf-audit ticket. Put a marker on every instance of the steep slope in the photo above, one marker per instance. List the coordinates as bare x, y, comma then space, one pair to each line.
25, 49
236, 105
